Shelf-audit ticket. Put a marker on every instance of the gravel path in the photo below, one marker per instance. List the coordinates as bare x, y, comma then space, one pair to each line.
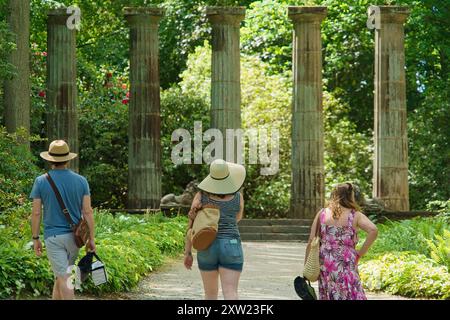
269, 271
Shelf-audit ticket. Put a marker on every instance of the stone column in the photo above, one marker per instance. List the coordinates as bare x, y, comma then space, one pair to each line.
391, 142
226, 70
17, 89
307, 188
144, 154
62, 116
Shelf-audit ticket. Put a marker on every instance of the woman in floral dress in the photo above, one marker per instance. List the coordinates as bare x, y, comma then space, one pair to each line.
339, 222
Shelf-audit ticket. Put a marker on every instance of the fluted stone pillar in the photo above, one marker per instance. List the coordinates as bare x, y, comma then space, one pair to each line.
307, 187
62, 116
144, 155
391, 142
17, 89
225, 70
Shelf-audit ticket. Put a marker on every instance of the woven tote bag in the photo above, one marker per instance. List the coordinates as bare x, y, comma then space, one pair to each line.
311, 270
205, 226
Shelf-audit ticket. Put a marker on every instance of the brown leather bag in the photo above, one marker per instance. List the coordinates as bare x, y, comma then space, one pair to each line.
80, 230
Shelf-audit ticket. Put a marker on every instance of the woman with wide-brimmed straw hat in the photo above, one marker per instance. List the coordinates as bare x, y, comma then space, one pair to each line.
73, 190
224, 257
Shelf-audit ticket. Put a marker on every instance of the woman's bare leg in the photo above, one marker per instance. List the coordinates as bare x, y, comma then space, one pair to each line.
230, 281
210, 284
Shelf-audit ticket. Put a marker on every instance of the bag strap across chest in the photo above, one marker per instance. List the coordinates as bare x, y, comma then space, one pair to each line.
60, 201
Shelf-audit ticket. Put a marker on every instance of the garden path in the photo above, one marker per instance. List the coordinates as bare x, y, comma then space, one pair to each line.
269, 271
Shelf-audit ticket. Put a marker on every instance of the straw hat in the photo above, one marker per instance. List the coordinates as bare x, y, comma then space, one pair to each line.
58, 151
224, 178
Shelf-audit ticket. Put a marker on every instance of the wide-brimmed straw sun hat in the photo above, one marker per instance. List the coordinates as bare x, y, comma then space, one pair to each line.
58, 151
224, 178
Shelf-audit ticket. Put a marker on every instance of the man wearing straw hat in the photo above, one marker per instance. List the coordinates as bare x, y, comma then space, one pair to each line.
62, 250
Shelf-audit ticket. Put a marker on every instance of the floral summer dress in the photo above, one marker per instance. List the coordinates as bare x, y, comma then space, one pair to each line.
339, 278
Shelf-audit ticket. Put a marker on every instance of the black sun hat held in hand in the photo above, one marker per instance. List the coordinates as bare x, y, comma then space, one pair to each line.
304, 289
85, 265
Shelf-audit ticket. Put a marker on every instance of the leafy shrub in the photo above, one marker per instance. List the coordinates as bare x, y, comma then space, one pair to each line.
20, 270
410, 258
408, 274
440, 249
17, 169
130, 246
408, 235
104, 145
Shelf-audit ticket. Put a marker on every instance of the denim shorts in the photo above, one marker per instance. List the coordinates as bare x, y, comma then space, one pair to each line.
62, 252
223, 253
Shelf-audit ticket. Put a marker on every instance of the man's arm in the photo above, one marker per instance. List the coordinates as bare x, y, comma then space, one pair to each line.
36, 225
88, 214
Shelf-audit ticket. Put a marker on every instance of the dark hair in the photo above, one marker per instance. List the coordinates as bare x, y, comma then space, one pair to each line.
58, 163
342, 196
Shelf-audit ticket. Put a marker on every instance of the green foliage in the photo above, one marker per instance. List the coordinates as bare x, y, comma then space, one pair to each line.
130, 247
440, 249
20, 270
267, 34
104, 141
442, 207
408, 235
429, 147
17, 169
7, 44
348, 153
410, 258
407, 274
180, 110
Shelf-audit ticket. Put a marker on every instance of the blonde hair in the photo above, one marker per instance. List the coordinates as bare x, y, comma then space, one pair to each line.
342, 196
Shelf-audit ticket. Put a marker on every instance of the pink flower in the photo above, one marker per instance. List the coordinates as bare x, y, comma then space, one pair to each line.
125, 101
44, 53
128, 94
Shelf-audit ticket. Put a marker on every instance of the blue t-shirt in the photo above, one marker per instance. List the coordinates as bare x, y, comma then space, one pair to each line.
72, 188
